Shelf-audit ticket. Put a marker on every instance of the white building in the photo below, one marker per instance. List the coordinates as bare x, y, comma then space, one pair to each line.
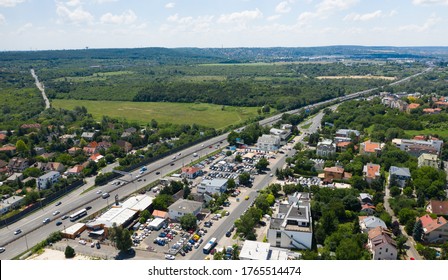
291, 227
254, 250
268, 142
418, 147
212, 186
182, 207
10, 203
429, 160
47, 180
371, 222
326, 148
282, 133
381, 244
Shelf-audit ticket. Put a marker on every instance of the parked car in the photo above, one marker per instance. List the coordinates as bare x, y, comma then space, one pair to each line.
170, 257
229, 233
99, 191
158, 173
82, 242
98, 245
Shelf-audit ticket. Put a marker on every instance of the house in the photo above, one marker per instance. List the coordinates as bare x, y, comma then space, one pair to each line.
39, 150
268, 142
96, 157
3, 166
370, 148
91, 148
371, 222
348, 133
181, 207
440, 208
430, 111
399, 176
212, 186
394, 102
441, 104
3, 137
371, 172
14, 177
54, 166
31, 126
104, 145
326, 148
73, 150
8, 149
418, 146
292, 227
191, 172
160, 214
64, 138
429, 160
335, 173
88, 135
286, 126
434, 230
381, 244
282, 133
10, 203
48, 179
365, 198
18, 164
342, 146
411, 107
368, 209
124, 145
75, 170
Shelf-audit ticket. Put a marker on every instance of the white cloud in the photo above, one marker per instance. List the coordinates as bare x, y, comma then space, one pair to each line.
104, 1
241, 16
127, 17
430, 22
24, 28
10, 3
170, 5
2, 19
188, 24
73, 3
78, 15
393, 13
283, 7
328, 6
363, 17
430, 2
274, 17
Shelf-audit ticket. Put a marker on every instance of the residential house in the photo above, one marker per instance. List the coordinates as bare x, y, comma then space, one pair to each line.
411, 107
54, 166
104, 145
417, 147
9, 203
335, 173
434, 230
394, 102
91, 148
371, 172
14, 177
3, 137
75, 170
8, 149
73, 150
371, 222
441, 104
268, 142
3, 166
212, 186
399, 176
381, 244
348, 133
429, 160
48, 179
191, 172
370, 148
96, 157
326, 148
124, 145
342, 146
36, 126
430, 111
365, 198
88, 135
39, 151
286, 126
440, 208
182, 207
64, 138
368, 209
18, 165
292, 227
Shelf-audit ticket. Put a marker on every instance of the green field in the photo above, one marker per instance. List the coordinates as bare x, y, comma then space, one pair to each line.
101, 76
430, 131
209, 115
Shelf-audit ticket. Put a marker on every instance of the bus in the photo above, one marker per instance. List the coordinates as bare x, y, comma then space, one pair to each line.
77, 215
210, 245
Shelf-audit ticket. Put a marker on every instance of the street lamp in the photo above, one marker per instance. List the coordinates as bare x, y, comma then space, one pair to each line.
26, 241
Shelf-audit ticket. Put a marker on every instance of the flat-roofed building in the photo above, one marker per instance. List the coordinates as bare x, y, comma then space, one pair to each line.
268, 142
182, 207
326, 148
212, 186
429, 160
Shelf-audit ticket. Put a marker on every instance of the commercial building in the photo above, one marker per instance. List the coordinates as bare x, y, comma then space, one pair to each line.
212, 186
268, 143
182, 207
254, 250
418, 147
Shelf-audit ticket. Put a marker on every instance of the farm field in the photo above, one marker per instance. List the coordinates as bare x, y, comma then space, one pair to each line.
209, 115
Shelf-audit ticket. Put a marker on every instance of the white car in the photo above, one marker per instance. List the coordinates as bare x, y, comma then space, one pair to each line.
2, 249
82, 242
170, 257
56, 212
99, 191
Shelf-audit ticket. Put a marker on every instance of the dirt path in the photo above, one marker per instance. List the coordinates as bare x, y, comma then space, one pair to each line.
41, 87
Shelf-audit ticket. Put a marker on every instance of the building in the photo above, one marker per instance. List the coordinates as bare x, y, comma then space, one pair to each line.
348, 133
124, 145
54, 166
260, 251
18, 165
371, 222
430, 111
434, 230
326, 148
429, 160
282, 133
181, 207
91, 148
157, 223
342, 146
370, 148
3, 166
48, 179
12, 202
368, 209
191, 172
365, 198
412, 106
382, 245
73, 231
399, 176
8, 149
371, 172
268, 142
212, 186
160, 214
418, 147
335, 173
291, 227
73, 150
96, 157
75, 170
440, 208
88, 135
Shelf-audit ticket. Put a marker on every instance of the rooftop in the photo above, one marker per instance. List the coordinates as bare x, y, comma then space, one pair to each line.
255, 250
186, 206
400, 171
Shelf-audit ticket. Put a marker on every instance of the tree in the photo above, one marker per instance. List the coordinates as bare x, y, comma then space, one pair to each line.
417, 232
187, 191
395, 191
262, 164
69, 252
145, 214
244, 179
348, 250
401, 241
246, 223
121, 238
356, 226
162, 201
231, 185
21, 147
188, 221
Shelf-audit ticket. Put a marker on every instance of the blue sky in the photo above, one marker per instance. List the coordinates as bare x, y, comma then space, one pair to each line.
73, 24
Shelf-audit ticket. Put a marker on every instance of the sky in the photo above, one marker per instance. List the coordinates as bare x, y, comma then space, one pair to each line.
76, 24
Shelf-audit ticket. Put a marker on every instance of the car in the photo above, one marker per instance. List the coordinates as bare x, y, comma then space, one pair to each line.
182, 252
270, 175
172, 164
262, 223
170, 257
58, 223
59, 203
179, 154
47, 220
137, 176
82, 242
210, 147
92, 244
202, 145
246, 198
2, 249
174, 157
64, 217
158, 173
99, 191
88, 207
228, 234
18, 231
98, 245
56, 212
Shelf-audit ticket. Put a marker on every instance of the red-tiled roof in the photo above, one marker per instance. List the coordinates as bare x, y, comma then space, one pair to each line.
372, 170
2, 137
343, 144
7, 148
413, 106
371, 147
420, 137
190, 170
431, 224
334, 169
159, 213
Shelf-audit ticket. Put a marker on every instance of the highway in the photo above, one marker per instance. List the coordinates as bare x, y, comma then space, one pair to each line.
34, 231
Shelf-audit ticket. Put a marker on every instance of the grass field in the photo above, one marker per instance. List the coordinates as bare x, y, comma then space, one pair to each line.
357, 77
164, 112
102, 76
429, 131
